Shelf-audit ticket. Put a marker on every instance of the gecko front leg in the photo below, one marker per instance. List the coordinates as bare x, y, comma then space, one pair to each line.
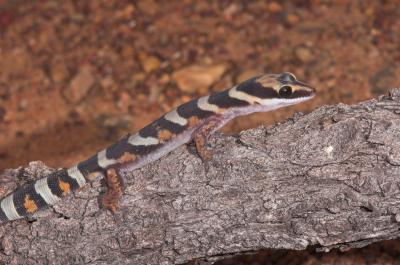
202, 134
114, 182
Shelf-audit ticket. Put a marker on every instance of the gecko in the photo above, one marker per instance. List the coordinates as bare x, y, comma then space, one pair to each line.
195, 120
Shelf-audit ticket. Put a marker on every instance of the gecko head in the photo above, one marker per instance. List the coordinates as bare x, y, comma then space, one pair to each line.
289, 88
286, 88
276, 90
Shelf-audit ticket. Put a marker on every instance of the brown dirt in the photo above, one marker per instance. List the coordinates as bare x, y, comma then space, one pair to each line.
76, 75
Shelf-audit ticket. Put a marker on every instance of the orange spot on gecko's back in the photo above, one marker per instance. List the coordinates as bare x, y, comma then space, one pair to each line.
192, 121
127, 157
93, 176
30, 204
64, 186
165, 135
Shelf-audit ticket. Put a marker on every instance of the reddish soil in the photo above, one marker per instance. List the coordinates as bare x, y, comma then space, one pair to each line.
76, 75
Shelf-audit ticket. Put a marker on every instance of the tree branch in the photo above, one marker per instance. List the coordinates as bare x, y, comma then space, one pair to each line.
330, 178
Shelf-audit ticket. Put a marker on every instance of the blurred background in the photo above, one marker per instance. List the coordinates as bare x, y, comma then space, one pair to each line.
77, 75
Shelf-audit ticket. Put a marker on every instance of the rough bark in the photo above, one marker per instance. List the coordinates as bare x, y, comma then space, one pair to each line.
329, 179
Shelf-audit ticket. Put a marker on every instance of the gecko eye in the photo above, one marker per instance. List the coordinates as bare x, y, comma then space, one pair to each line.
285, 91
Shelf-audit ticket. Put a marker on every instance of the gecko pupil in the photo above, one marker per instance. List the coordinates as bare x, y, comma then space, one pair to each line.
285, 91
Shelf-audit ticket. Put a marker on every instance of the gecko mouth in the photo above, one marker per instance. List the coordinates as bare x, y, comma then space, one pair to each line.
298, 94
298, 99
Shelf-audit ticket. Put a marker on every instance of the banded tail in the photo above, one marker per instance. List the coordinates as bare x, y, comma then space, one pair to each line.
39, 194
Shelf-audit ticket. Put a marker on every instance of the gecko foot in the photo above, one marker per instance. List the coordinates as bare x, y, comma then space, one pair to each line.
110, 200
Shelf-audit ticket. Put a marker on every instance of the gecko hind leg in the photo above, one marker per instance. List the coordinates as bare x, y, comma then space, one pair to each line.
200, 140
203, 133
115, 186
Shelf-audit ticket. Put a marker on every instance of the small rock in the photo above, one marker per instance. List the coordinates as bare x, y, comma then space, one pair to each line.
108, 83
127, 51
23, 104
292, 19
137, 77
80, 84
198, 78
77, 17
274, 7
150, 63
38, 76
124, 101
14, 61
149, 7
125, 13
59, 72
155, 91
164, 79
164, 39
303, 54
231, 10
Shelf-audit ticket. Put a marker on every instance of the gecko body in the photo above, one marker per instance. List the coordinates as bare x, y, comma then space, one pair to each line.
194, 120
